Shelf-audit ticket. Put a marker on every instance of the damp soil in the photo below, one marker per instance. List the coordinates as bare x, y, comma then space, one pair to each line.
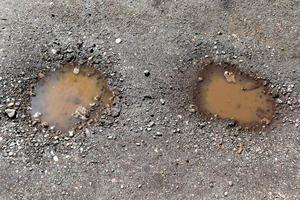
226, 92
67, 96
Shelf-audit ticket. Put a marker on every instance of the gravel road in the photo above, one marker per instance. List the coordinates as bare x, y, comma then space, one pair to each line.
149, 145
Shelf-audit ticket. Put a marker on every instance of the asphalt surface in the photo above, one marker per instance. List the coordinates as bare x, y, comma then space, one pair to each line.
149, 145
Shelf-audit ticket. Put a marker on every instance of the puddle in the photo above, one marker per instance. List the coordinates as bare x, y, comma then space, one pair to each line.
65, 96
230, 94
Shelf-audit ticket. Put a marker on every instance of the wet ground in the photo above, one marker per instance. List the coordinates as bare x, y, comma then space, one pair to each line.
225, 92
151, 144
68, 96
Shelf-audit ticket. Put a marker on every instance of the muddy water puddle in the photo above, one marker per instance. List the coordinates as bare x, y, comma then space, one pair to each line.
66, 96
225, 92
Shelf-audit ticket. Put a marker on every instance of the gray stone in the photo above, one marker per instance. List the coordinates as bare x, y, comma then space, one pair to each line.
158, 134
11, 113
151, 124
37, 115
115, 112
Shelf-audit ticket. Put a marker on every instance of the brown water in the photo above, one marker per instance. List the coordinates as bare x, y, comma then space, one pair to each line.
229, 94
59, 95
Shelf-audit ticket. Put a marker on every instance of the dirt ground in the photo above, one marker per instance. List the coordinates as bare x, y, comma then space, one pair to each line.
149, 145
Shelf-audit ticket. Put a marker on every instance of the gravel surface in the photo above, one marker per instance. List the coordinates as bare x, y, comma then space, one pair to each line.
150, 145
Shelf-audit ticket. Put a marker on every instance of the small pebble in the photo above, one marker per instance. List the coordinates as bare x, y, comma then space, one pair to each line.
158, 134
110, 137
11, 113
147, 73
118, 40
71, 133
55, 158
11, 104
37, 115
151, 124
54, 51
45, 124
41, 75
279, 101
192, 108
76, 70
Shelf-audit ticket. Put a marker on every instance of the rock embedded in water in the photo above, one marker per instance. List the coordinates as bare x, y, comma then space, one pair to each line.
81, 113
265, 121
229, 77
76, 70
11, 113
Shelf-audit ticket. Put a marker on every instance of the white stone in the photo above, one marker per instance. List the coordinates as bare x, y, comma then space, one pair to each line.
76, 70
11, 104
118, 40
10, 112
54, 51
37, 115
55, 158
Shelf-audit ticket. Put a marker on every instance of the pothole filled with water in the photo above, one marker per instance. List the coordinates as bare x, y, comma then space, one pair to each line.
67, 97
225, 92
